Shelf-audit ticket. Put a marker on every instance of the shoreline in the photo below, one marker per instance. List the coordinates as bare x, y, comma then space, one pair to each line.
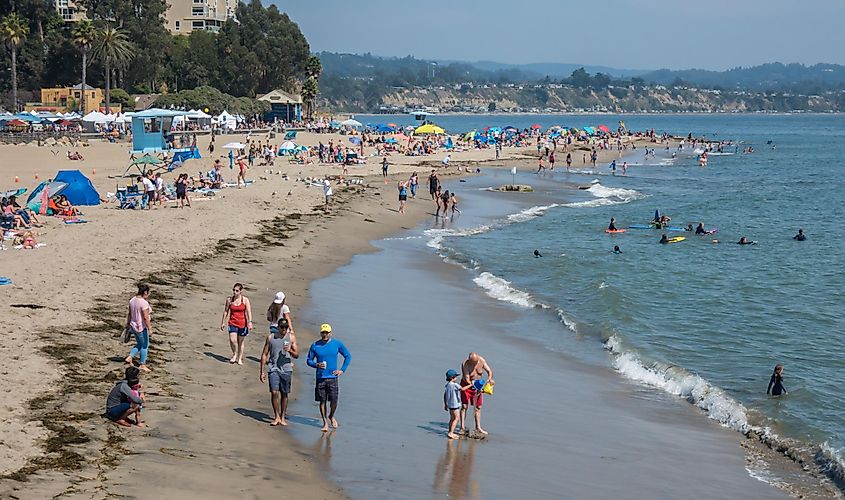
84, 379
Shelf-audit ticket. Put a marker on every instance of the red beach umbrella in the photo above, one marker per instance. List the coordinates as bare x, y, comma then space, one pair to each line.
604, 129
536, 126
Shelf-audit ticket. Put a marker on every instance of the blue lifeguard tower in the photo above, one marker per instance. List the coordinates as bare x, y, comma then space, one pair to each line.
152, 135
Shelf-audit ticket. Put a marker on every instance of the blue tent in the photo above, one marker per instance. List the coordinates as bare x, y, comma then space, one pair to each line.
79, 190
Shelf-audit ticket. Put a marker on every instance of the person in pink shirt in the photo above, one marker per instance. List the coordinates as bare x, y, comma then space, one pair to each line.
139, 325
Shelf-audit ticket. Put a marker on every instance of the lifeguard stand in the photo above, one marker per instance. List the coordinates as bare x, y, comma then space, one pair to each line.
152, 135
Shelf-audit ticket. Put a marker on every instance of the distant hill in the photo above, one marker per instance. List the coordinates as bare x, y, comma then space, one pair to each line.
557, 70
774, 76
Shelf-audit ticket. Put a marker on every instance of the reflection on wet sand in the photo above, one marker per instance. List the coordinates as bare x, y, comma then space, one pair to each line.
452, 477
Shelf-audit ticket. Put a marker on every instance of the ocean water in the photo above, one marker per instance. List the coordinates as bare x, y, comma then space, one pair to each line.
700, 320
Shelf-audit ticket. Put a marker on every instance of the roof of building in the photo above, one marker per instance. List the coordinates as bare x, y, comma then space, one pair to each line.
144, 101
78, 86
279, 96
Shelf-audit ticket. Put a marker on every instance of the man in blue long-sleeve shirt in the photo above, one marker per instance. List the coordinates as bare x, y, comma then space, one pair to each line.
323, 356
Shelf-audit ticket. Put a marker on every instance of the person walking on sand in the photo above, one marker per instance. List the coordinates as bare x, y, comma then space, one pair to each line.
182, 191
239, 312
279, 310
403, 195
776, 387
473, 369
384, 167
452, 402
322, 355
241, 171
139, 324
277, 367
413, 183
540, 165
327, 193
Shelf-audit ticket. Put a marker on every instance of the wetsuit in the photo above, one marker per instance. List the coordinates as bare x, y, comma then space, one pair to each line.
776, 387
799, 237
700, 230
611, 227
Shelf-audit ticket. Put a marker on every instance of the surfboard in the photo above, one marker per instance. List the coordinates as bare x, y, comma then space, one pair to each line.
617, 231
639, 226
674, 229
676, 239
13, 192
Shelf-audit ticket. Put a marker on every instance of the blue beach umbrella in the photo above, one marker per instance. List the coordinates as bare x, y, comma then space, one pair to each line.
355, 140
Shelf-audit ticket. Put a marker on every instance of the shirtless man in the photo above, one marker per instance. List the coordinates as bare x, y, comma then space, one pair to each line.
473, 369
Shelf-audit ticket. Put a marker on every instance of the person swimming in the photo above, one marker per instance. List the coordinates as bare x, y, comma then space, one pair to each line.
800, 236
664, 239
612, 225
616, 249
537, 253
745, 241
700, 229
776, 387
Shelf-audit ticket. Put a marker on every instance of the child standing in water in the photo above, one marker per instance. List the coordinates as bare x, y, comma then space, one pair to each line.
776, 387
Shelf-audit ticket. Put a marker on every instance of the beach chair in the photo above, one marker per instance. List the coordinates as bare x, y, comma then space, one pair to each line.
290, 135
131, 198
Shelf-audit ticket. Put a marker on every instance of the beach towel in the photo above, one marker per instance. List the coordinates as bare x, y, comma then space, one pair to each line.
5, 281
75, 220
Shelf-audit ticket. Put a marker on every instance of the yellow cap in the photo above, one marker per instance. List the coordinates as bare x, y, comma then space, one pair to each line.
325, 327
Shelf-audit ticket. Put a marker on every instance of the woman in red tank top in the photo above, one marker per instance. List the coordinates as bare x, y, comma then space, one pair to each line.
239, 313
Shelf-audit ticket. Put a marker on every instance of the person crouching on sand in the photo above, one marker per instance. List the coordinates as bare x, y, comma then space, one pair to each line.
123, 401
277, 366
452, 402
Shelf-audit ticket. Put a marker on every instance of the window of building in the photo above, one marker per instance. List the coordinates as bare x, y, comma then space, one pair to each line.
197, 24
197, 11
61, 3
199, 1
177, 25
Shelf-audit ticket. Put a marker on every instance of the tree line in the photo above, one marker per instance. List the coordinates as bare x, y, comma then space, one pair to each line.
126, 45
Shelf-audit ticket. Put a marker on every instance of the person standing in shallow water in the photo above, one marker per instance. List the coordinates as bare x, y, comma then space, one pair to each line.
472, 369
239, 311
277, 366
776, 387
322, 355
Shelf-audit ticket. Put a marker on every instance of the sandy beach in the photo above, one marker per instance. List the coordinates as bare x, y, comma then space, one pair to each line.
67, 298
207, 432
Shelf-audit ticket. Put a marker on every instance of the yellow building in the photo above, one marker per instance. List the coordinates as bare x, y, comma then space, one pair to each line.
64, 99
185, 16
69, 10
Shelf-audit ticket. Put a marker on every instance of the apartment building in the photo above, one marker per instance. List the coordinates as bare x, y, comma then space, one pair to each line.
69, 11
182, 16
185, 16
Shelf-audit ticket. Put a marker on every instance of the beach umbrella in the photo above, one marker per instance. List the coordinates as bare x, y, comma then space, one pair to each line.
469, 135
604, 129
351, 123
536, 126
511, 128
287, 146
392, 125
355, 140
235, 145
429, 128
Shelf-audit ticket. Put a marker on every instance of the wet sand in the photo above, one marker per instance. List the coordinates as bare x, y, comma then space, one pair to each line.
558, 425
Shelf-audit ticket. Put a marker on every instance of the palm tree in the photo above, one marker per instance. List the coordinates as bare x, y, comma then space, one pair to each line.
14, 31
313, 67
84, 36
309, 92
113, 48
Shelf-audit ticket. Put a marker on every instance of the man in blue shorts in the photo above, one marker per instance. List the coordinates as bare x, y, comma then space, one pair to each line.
323, 356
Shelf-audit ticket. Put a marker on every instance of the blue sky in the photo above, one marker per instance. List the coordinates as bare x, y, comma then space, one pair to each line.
645, 34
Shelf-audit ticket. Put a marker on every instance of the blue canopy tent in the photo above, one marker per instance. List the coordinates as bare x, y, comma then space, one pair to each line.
383, 129
79, 190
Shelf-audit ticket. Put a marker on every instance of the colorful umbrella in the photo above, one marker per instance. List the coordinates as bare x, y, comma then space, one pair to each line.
536, 126
604, 129
429, 128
